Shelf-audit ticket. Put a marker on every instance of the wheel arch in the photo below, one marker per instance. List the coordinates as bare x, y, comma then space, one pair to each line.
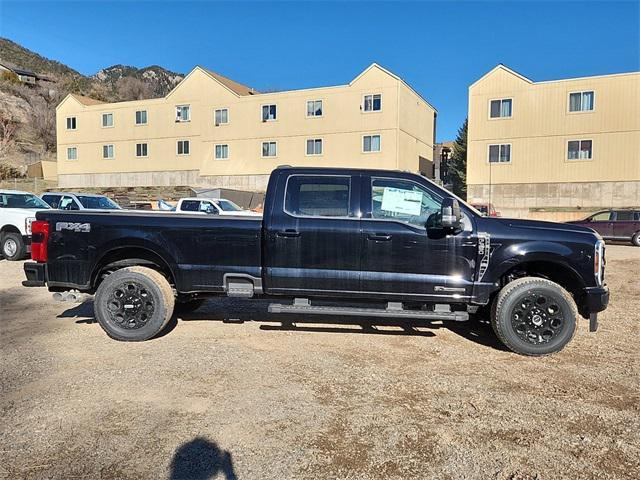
9, 228
129, 256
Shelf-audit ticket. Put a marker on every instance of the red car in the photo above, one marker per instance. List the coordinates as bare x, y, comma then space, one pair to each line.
486, 209
620, 224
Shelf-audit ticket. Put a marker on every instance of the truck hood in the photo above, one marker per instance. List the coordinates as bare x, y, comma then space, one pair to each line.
542, 225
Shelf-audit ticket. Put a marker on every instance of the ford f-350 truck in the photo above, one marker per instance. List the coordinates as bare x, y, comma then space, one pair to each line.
330, 239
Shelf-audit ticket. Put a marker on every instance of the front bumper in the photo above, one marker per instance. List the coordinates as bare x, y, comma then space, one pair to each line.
36, 274
596, 300
27, 242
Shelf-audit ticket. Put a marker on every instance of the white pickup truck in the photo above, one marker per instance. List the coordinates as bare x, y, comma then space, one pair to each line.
213, 206
17, 211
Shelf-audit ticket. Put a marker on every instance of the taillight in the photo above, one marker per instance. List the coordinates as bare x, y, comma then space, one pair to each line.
39, 240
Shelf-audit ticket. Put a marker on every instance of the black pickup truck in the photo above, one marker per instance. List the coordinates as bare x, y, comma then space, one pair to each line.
333, 242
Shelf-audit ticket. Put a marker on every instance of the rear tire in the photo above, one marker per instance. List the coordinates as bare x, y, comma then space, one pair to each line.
13, 248
534, 316
636, 239
134, 304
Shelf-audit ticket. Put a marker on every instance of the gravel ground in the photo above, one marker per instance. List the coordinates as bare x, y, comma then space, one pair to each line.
261, 399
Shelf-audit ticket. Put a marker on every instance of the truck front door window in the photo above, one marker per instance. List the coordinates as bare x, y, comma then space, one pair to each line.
317, 196
402, 201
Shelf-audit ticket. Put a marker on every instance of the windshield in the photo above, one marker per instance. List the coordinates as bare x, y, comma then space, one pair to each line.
21, 200
98, 203
228, 206
468, 205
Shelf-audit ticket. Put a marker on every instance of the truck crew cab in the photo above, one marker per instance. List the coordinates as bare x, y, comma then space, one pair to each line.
330, 239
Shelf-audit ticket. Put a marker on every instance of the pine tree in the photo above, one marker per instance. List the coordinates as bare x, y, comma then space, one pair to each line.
458, 163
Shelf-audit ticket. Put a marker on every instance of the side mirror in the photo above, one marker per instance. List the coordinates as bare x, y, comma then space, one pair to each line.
211, 210
451, 217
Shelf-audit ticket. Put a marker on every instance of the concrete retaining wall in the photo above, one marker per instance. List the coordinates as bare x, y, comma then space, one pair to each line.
191, 178
555, 201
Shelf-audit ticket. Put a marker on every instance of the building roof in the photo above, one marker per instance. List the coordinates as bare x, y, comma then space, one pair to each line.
238, 88
500, 66
85, 100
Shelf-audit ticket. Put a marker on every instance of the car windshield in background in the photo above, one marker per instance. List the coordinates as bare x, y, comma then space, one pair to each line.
19, 200
228, 206
98, 203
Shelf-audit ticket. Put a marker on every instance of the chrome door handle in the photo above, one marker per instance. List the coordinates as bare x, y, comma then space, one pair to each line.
379, 238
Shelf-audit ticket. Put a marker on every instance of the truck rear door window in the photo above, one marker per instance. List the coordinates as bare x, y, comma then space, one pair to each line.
190, 205
317, 196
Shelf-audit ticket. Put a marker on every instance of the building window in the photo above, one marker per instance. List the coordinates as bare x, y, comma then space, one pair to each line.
500, 153
222, 152
107, 120
141, 149
501, 108
314, 146
373, 103
183, 147
269, 113
581, 101
221, 116
183, 113
269, 149
71, 123
314, 108
371, 143
108, 151
580, 150
72, 153
141, 117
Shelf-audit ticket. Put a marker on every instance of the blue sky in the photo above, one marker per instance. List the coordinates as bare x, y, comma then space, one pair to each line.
437, 47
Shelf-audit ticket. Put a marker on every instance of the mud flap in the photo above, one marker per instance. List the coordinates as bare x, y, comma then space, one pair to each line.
593, 322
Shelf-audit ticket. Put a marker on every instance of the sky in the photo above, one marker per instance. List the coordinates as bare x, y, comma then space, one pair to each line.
439, 48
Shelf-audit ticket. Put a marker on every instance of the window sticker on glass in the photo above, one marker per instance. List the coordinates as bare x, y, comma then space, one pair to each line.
401, 201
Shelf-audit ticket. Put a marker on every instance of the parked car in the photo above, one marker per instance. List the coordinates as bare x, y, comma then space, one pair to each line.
343, 239
213, 206
79, 201
486, 209
17, 212
617, 224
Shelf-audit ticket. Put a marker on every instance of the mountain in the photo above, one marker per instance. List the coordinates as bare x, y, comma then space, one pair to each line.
29, 111
160, 80
20, 57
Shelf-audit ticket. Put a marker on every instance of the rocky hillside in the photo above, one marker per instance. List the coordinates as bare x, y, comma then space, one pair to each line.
27, 113
160, 80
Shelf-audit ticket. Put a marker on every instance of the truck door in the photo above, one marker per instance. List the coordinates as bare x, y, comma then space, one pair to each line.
312, 245
400, 255
602, 223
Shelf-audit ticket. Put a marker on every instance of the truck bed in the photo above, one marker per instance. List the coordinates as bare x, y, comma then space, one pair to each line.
198, 250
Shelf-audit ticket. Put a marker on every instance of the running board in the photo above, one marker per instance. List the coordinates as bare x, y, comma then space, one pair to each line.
393, 310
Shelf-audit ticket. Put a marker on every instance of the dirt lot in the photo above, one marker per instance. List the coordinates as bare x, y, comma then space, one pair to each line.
259, 399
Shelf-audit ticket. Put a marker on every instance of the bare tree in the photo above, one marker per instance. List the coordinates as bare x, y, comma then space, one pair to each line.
8, 128
130, 88
43, 123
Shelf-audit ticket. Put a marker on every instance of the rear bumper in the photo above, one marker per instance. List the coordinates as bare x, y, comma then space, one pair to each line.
36, 274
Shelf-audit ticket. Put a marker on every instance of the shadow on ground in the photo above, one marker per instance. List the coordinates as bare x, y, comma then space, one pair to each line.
230, 310
201, 459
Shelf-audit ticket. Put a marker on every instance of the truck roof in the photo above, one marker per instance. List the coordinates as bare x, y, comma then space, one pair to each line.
75, 193
15, 192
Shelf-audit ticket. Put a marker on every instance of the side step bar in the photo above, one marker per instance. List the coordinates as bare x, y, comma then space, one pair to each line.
393, 310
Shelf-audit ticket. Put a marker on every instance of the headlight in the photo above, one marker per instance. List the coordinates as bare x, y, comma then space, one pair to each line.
598, 262
27, 224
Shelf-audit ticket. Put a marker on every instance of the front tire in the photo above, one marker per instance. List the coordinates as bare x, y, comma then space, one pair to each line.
13, 248
134, 304
534, 316
636, 239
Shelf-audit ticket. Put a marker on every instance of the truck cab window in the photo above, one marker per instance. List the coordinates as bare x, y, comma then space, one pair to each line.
190, 205
402, 201
317, 196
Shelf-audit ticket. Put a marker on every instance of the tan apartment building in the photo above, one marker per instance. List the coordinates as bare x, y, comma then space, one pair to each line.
554, 149
210, 130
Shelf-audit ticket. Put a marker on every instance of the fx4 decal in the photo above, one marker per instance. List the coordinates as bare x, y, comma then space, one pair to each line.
73, 227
